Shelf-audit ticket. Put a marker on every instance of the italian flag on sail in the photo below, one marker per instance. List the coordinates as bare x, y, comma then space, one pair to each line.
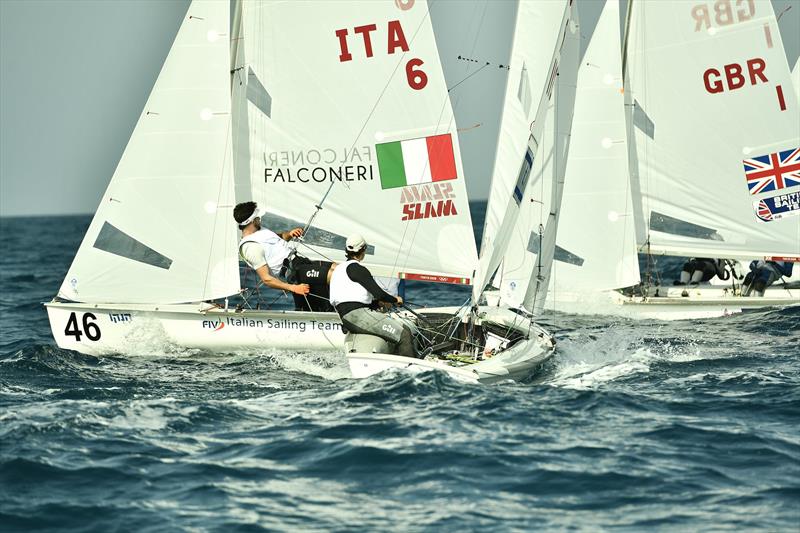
416, 161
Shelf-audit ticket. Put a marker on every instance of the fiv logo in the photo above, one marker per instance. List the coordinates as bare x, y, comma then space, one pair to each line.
216, 325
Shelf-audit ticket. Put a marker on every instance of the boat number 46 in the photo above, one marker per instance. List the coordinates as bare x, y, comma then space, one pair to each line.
90, 328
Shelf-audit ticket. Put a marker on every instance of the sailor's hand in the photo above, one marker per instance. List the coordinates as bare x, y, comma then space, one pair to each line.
399, 300
301, 289
295, 233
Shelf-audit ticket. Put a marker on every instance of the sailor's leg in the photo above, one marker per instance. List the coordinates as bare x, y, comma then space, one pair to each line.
406, 345
747, 284
373, 323
697, 276
684, 277
385, 327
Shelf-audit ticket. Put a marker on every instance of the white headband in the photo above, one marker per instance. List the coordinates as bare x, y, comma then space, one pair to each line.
256, 214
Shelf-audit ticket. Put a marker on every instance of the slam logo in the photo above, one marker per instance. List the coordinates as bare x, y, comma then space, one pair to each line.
428, 201
216, 325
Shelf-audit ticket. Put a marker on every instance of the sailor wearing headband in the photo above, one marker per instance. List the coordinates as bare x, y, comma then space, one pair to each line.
277, 265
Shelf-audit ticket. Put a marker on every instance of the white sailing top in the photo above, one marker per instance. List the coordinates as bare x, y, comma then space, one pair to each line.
343, 289
264, 247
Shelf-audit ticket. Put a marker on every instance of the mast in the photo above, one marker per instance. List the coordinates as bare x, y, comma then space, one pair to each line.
628, 10
239, 117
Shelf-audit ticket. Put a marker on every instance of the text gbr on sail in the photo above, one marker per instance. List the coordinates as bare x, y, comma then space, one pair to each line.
722, 13
734, 76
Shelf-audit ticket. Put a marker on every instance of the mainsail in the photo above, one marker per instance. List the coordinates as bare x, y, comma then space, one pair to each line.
715, 133
163, 232
354, 96
596, 237
539, 34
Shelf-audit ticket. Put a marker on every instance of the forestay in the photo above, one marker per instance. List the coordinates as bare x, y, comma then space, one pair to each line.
596, 237
539, 32
715, 130
163, 232
352, 93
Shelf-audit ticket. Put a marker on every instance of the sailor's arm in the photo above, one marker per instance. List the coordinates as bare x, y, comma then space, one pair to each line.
291, 234
275, 283
253, 254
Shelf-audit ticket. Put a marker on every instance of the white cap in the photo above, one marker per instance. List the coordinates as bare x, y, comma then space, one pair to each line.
355, 243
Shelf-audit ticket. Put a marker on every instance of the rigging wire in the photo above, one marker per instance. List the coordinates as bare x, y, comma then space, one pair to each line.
366, 121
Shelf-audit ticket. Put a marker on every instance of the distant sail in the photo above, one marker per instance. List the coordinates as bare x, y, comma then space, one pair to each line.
538, 37
721, 153
596, 222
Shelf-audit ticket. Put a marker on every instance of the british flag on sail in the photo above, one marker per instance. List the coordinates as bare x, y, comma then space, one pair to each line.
773, 172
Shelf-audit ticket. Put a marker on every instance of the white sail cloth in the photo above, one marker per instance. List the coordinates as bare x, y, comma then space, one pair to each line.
538, 36
527, 262
355, 95
163, 232
596, 235
714, 129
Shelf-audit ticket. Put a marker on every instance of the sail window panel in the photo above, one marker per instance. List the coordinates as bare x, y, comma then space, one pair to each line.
314, 237
524, 90
114, 241
565, 256
667, 224
257, 94
642, 121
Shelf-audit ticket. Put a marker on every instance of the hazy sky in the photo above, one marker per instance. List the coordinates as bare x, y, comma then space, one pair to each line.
75, 75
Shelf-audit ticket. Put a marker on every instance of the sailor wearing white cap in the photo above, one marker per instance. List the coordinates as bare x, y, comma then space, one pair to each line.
353, 292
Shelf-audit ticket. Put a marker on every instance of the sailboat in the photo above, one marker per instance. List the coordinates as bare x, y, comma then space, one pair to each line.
666, 188
487, 343
339, 122
160, 261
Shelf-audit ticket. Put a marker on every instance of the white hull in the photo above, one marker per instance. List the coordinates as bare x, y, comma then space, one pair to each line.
514, 363
132, 329
673, 303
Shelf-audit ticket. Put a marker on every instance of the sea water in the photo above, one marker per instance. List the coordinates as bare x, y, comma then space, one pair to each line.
632, 425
